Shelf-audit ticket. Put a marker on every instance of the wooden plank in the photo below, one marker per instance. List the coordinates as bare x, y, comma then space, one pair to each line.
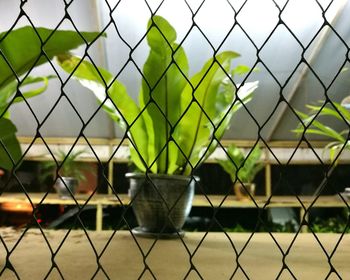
53, 198
225, 142
63, 140
39, 152
199, 200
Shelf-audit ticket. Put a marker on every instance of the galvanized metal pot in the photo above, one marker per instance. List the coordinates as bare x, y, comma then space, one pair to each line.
161, 203
63, 184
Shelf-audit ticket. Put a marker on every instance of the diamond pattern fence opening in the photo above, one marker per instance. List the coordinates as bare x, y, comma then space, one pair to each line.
172, 116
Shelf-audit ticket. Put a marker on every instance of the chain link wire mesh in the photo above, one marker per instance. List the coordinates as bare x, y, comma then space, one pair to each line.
238, 12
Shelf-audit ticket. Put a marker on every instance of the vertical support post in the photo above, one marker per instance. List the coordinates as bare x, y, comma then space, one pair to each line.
110, 167
110, 175
304, 228
99, 216
268, 186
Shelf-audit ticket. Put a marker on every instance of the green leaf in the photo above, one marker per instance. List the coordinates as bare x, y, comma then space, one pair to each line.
195, 128
241, 70
24, 48
334, 148
10, 150
229, 168
326, 131
325, 111
160, 34
34, 92
119, 105
343, 111
321, 129
7, 93
164, 79
317, 128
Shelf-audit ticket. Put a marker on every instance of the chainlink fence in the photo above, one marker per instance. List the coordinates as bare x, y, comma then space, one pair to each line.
288, 67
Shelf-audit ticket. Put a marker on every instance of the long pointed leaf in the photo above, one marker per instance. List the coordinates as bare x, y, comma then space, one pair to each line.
345, 112
318, 128
324, 111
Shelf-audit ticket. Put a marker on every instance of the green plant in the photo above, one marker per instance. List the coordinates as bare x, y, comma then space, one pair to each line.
333, 224
179, 119
66, 166
8, 144
310, 125
20, 51
241, 166
236, 228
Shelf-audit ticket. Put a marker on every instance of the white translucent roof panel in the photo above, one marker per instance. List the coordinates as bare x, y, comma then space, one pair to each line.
63, 121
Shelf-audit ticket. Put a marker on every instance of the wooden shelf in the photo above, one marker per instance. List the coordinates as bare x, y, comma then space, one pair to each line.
199, 200
109, 152
104, 149
53, 198
276, 201
101, 200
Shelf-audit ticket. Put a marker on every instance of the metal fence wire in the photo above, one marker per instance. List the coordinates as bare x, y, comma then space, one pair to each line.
283, 106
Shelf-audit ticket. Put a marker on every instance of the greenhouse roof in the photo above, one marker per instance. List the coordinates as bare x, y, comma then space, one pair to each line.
299, 49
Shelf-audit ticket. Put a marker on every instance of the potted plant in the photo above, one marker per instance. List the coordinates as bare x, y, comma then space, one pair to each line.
66, 172
310, 124
175, 127
242, 169
21, 50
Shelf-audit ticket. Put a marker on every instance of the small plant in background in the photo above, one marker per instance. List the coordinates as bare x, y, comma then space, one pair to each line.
71, 172
242, 169
270, 226
238, 163
265, 227
67, 166
236, 228
334, 225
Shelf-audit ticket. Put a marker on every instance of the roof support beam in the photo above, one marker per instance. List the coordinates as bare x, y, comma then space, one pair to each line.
311, 58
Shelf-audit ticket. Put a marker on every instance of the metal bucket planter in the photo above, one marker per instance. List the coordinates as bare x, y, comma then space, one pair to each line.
63, 184
161, 203
244, 192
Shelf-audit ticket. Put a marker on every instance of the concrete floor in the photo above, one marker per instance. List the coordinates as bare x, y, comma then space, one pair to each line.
214, 256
